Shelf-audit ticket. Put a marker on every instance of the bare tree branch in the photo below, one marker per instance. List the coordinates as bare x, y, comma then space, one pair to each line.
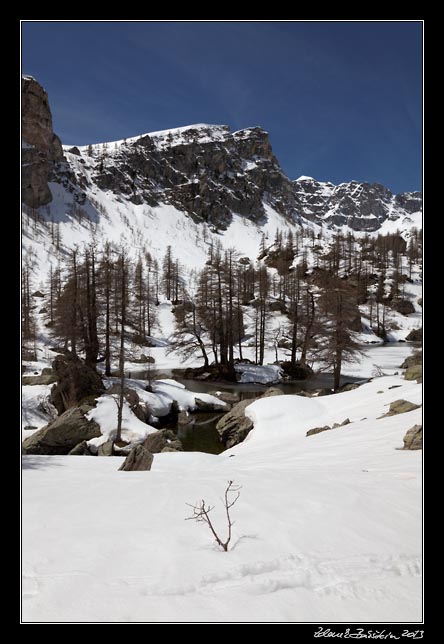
201, 512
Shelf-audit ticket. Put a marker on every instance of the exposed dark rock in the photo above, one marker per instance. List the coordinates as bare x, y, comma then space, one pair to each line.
414, 373
75, 381
234, 426
138, 459
80, 450
209, 407
413, 438
41, 148
317, 430
405, 307
413, 359
205, 171
75, 150
63, 434
106, 449
401, 407
37, 294
297, 372
362, 206
228, 397
157, 442
415, 335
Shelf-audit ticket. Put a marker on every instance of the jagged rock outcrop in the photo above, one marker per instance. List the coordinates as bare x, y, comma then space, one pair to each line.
41, 148
359, 205
204, 170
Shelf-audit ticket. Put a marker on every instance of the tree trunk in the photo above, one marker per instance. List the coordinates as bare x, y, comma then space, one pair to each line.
122, 353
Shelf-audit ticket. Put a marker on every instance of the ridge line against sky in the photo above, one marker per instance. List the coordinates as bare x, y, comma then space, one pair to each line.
340, 100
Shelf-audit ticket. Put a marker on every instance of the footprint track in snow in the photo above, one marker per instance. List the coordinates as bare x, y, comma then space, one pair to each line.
358, 577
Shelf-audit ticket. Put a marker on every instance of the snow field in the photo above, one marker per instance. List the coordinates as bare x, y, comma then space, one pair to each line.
328, 527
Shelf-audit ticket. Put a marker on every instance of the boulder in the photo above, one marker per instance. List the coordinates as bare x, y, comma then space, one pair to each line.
414, 373
132, 398
415, 335
208, 407
75, 381
413, 438
345, 422
63, 434
80, 450
138, 459
401, 407
405, 307
234, 426
414, 358
226, 396
74, 150
318, 430
155, 443
106, 449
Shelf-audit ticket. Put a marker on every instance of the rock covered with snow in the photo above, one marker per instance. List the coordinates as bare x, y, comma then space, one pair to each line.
358, 205
204, 170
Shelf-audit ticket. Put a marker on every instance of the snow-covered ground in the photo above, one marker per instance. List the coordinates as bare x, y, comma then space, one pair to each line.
328, 527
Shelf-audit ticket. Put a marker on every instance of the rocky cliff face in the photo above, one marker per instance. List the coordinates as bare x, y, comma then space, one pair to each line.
361, 206
41, 148
205, 171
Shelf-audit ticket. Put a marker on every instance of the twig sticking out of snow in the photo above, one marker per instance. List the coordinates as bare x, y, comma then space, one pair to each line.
201, 513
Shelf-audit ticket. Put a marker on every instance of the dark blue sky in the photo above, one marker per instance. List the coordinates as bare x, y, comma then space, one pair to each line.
341, 101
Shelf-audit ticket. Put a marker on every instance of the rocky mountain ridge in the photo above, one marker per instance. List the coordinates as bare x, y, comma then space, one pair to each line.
206, 171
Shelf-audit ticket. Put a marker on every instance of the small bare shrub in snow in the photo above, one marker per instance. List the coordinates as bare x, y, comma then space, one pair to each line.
201, 513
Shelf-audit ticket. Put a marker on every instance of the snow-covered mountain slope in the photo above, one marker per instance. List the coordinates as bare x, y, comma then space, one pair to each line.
357, 205
327, 527
188, 187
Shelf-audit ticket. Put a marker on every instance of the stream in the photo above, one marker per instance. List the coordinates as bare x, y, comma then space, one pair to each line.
201, 435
